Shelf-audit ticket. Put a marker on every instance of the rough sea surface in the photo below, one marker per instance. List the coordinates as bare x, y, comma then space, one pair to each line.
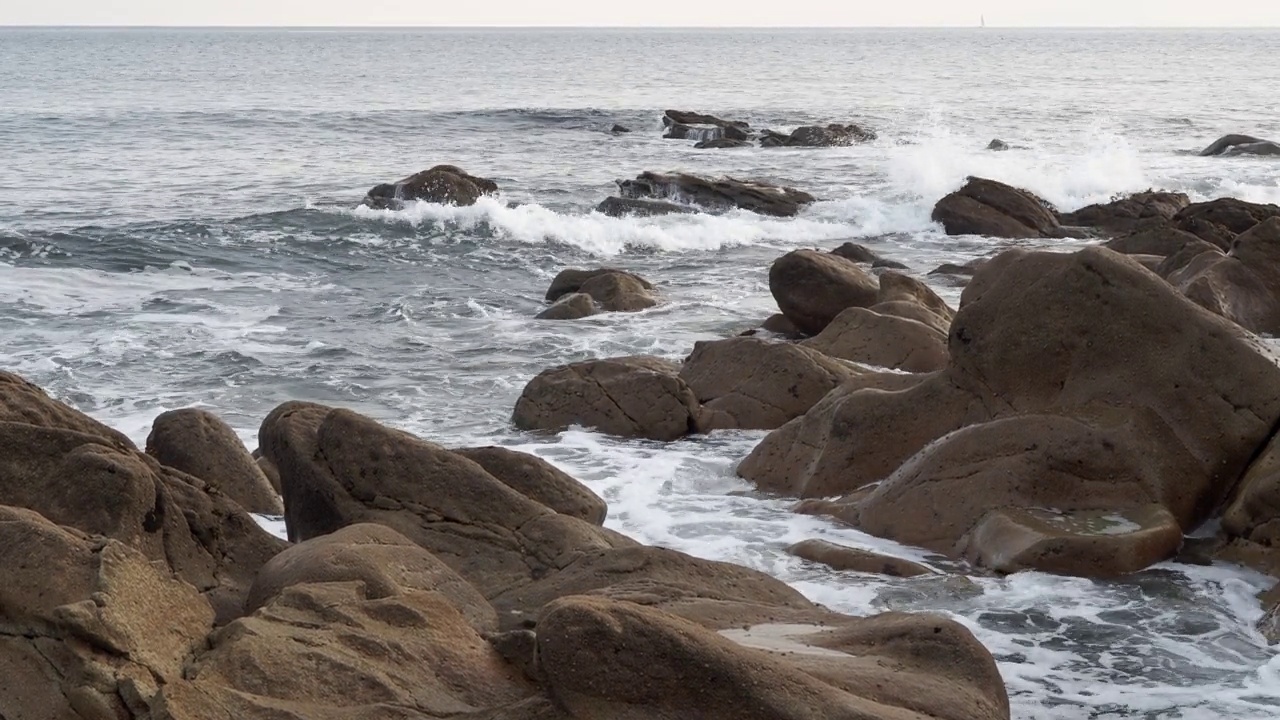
178, 227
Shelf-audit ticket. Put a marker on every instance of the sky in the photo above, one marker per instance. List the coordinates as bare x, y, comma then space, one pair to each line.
766, 13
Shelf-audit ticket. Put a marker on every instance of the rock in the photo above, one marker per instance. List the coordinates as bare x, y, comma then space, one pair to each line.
338, 468
1241, 145
385, 562
998, 145
96, 485
965, 270
682, 117
328, 650
832, 135
1243, 285
444, 184
539, 480
629, 397
1190, 259
199, 443
780, 325
1164, 241
605, 659
1129, 213
623, 207
750, 384
573, 306
721, 144
571, 281
717, 194
619, 129
700, 133
857, 253
92, 629
24, 402
619, 292
1254, 510
1043, 406
888, 341
987, 207
812, 288
271, 473
842, 557
1220, 221
905, 296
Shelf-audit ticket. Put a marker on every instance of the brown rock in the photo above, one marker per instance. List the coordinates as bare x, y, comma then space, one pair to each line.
1254, 510
198, 443
1188, 261
605, 658
887, 341
832, 135
627, 397
571, 281
570, 307
539, 480
1095, 420
328, 651
717, 194
23, 402
843, 557
987, 207
338, 468
445, 184
270, 472
91, 627
812, 288
1129, 213
1161, 240
88, 483
1219, 221
755, 384
780, 325
385, 562
1244, 284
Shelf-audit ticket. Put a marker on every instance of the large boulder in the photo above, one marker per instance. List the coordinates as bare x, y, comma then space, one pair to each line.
332, 650
95, 484
905, 296
199, 443
1162, 240
629, 397
1242, 285
338, 468
573, 306
571, 280
1220, 221
882, 340
751, 384
604, 289
1044, 406
1241, 145
717, 194
619, 292
1129, 213
25, 402
539, 480
385, 562
91, 628
988, 207
812, 288
831, 135
603, 658
444, 184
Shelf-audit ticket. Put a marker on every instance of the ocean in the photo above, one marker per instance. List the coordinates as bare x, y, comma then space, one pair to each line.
179, 226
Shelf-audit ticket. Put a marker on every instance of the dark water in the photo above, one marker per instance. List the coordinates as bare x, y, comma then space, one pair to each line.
177, 227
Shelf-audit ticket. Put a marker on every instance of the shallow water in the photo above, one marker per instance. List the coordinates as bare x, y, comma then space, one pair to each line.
177, 228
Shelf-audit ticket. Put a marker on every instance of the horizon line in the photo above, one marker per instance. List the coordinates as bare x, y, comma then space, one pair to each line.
103, 26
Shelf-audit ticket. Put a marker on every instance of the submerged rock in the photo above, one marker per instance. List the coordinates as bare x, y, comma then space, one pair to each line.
998, 145
1044, 405
994, 209
580, 293
818, 136
622, 207
444, 184
571, 280
619, 129
573, 306
717, 194
684, 117
1241, 145
721, 144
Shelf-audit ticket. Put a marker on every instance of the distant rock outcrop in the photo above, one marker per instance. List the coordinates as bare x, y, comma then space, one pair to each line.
1241, 145
445, 184
717, 194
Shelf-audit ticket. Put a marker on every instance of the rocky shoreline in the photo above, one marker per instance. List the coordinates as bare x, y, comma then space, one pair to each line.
1078, 413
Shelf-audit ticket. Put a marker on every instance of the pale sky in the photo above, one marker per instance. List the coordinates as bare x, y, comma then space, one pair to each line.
803, 13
